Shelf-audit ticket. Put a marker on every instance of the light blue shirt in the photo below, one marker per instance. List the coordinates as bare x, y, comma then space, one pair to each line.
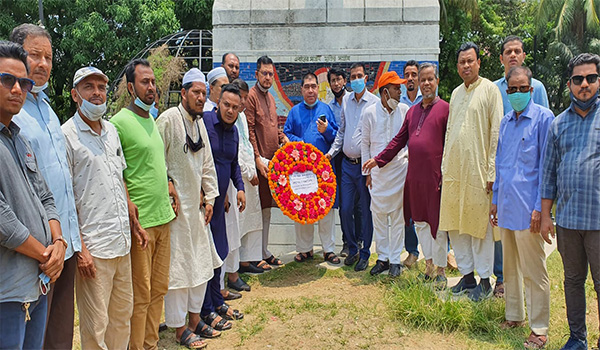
336, 108
41, 127
404, 97
572, 169
539, 97
519, 159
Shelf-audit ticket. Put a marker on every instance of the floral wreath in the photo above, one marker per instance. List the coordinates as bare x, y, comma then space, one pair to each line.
302, 157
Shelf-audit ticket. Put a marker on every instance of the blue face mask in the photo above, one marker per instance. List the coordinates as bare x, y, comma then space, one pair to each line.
153, 111
519, 100
138, 102
311, 105
584, 105
358, 85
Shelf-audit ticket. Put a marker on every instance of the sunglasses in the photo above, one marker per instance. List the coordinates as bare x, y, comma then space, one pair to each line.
578, 79
9, 80
513, 89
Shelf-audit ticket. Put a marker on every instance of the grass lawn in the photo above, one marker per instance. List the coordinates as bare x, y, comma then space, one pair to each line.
304, 306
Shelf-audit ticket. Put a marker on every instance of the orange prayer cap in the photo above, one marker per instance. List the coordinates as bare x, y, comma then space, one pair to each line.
390, 77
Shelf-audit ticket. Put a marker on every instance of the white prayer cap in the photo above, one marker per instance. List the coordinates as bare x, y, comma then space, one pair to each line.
193, 75
216, 74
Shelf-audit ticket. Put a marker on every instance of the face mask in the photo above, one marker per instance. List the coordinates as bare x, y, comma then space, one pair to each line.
339, 93
91, 111
519, 100
311, 105
358, 85
391, 102
584, 105
36, 89
143, 106
153, 111
189, 143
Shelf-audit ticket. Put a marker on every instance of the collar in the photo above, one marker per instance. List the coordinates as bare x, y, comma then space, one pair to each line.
83, 126
260, 88
40, 96
335, 100
12, 128
572, 108
526, 112
436, 99
363, 97
474, 85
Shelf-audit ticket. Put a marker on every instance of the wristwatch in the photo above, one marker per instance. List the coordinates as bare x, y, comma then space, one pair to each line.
62, 239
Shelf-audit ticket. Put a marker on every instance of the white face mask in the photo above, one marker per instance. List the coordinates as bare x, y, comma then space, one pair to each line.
36, 89
392, 103
91, 111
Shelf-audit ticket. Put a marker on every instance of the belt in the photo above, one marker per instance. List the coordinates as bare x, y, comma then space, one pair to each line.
352, 160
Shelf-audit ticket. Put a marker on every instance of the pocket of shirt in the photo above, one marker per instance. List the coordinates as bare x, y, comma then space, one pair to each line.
529, 150
31, 164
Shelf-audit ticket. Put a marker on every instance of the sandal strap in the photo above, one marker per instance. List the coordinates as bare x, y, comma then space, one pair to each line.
188, 338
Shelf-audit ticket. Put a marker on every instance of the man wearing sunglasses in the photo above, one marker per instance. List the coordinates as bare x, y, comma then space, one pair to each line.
190, 166
512, 54
571, 177
29, 222
41, 127
516, 207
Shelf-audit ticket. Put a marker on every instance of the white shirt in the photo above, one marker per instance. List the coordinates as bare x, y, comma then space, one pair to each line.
96, 163
209, 106
378, 128
193, 253
349, 133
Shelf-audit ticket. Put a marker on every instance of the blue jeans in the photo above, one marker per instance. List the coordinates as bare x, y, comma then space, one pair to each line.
410, 239
337, 169
15, 332
498, 262
355, 184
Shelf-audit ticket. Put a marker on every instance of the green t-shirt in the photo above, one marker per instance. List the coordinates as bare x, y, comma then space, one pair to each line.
146, 173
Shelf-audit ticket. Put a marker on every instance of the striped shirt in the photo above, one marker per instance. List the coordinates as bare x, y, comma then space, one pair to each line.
572, 169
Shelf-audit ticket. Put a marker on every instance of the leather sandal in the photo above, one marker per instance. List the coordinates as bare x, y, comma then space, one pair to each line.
331, 257
535, 341
272, 260
263, 265
223, 310
206, 331
217, 322
302, 257
511, 324
188, 339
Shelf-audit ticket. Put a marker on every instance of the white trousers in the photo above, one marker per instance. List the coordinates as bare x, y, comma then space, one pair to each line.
178, 302
524, 261
251, 248
266, 219
388, 233
473, 253
305, 234
435, 249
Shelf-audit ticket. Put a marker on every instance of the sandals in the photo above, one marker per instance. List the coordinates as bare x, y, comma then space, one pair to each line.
263, 265
224, 309
499, 290
217, 322
188, 339
206, 331
535, 341
331, 257
272, 260
511, 324
302, 257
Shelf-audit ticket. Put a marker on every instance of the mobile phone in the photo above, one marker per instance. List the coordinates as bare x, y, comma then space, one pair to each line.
323, 118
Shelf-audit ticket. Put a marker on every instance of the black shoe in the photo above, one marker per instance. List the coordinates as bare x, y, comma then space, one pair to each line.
238, 285
350, 260
462, 287
251, 268
345, 251
395, 270
379, 267
232, 295
162, 327
361, 265
481, 293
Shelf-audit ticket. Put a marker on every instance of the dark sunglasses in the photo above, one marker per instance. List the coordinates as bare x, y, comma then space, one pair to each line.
9, 80
578, 79
513, 89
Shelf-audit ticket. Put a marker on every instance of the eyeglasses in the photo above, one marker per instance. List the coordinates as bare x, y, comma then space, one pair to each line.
266, 74
513, 89
578, 79
9, 80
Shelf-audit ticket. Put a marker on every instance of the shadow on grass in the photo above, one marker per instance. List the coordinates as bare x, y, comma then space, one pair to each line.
289, 275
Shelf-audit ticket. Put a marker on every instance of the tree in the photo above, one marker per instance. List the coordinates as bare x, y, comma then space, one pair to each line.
106, 34
194, 14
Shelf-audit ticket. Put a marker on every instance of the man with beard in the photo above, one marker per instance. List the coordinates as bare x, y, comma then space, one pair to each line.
191, 169
265, 137
149, 191
231, 63
216, 79
570, 176
41, 127
224, 141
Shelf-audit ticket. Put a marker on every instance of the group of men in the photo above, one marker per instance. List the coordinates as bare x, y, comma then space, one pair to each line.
139, 213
